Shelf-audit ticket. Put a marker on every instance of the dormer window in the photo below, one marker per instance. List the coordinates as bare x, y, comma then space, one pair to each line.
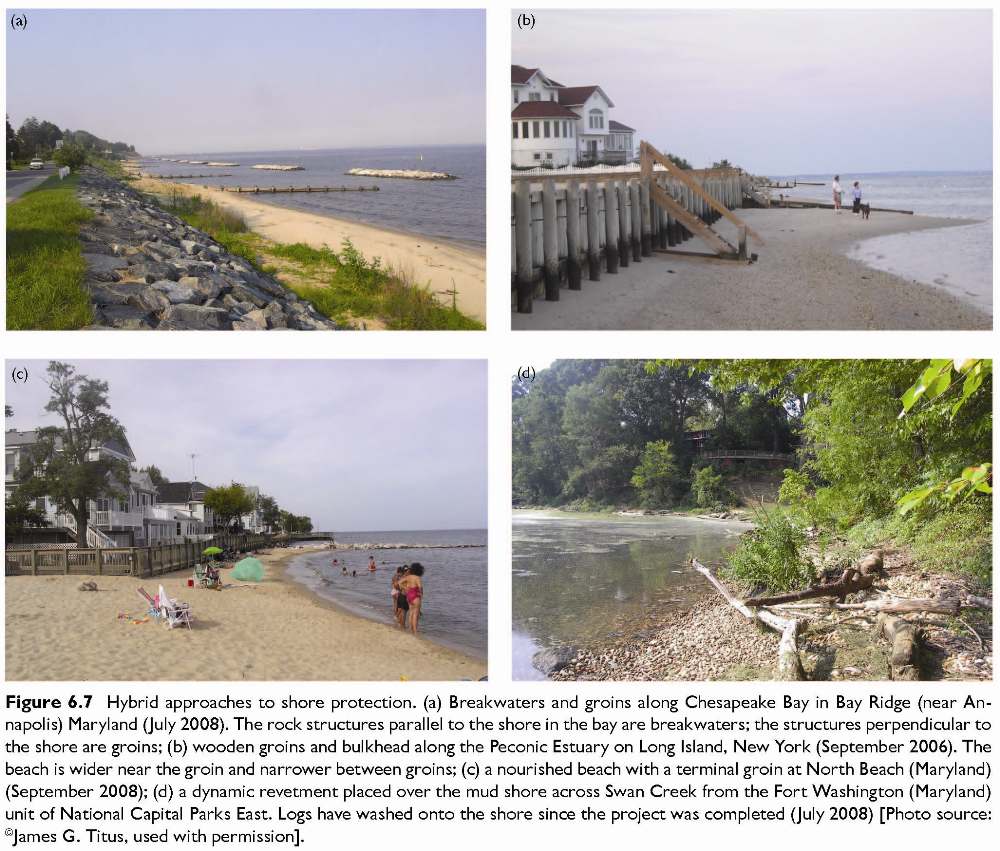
534, 96
596, 119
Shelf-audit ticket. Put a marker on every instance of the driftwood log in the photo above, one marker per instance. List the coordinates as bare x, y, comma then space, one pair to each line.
904, 660
789, 664
851, 581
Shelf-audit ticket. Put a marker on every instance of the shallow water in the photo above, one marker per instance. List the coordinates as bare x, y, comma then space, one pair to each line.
454, 611
958, 260
578, 578
448, 209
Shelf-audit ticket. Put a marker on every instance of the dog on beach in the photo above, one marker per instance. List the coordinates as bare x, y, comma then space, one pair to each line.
866, 211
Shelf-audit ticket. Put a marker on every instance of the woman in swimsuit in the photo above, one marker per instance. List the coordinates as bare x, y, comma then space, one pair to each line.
413, 588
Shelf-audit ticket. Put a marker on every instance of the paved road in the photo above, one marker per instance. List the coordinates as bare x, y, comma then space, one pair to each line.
19, 182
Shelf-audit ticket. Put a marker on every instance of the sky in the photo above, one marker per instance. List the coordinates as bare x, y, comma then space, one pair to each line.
357, 445
253, 80
785, 92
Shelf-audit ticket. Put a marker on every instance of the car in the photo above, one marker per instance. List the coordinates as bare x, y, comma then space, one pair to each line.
34, 164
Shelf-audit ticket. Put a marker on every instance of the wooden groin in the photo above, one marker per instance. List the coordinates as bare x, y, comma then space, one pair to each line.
808, 203
182, 176
564, 230
271, 190
140, 562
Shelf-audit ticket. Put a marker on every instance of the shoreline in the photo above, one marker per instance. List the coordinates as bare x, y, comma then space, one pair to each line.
344, 609
710, 641
426, 261
803, 280
56, 632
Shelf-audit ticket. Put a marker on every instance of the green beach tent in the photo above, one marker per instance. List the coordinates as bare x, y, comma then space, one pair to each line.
249, 570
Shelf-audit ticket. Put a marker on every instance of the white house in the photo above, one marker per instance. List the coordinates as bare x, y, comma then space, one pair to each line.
130, 517
187, 502
553, 125
253, 522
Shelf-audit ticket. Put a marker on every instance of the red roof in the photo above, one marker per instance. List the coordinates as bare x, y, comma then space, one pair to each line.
577, 95
519, 74
617, 125
542, 109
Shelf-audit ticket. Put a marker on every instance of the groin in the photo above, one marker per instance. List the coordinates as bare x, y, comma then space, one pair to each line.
272, 167
406, 174
146, 268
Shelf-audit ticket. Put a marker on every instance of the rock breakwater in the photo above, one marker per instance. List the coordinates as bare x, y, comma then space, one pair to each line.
148, 269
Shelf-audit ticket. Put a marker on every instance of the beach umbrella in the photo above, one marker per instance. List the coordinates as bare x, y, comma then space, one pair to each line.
248, 570
211, 551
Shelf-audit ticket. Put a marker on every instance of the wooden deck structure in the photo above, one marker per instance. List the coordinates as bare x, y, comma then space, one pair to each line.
602, 221
122, 561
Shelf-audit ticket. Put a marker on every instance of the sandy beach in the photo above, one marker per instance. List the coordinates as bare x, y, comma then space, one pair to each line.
442, 265
272, 630
803, 280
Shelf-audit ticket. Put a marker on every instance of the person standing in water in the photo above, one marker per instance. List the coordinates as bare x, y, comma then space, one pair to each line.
401, 606
412, 586
371, 564
838, 193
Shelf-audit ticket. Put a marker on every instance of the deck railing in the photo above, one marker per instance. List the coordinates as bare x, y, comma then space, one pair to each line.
122, 561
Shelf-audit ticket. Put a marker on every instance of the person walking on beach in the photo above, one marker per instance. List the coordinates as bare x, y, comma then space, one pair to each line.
838, 193
413, 587
401, 606
856, 209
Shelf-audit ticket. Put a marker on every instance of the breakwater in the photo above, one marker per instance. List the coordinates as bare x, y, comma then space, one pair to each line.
146, 268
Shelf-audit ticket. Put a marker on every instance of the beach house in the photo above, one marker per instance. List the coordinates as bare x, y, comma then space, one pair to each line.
128, 516
554, 125
187, 501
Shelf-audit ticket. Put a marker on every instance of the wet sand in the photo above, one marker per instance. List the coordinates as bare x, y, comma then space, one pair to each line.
425, 261
802, 280
272, 630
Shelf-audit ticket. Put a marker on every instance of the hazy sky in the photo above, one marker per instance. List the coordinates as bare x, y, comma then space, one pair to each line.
242, 80
357, 445
785, 92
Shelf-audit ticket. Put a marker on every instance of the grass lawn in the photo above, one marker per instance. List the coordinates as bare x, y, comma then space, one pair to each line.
45, 267
343, 286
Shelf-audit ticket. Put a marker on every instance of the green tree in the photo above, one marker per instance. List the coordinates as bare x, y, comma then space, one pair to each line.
657, 477
228, 504
270, 514
66, 464
13, 148
20, 512
155, 475
707, 488
680, 162
71, 155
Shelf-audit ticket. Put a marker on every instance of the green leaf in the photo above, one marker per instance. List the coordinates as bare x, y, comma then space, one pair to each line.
914, 498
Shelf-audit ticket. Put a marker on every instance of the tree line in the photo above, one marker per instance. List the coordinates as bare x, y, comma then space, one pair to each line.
621, 432
37, 139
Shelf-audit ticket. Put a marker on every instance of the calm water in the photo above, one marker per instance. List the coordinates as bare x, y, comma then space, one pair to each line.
579, 578
959, 260
448, 209
454, 610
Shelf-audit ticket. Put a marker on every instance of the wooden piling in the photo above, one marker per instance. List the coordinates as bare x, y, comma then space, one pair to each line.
623, 236
611, 226
650, 223
550, 241
594, 231
636, 222
574, 273
522, 238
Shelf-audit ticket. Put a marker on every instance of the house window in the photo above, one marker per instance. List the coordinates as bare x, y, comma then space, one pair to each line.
596, 119
515, 129
552, 95
534, 130
524, 129
548, 156
538, 156
534, 96
515, 96
555, 127
546, 128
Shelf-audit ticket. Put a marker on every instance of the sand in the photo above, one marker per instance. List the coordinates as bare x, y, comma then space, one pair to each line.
802, 280
272, 630
423, 260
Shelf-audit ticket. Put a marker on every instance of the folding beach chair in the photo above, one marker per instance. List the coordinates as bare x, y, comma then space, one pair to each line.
174, 612
154, 607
